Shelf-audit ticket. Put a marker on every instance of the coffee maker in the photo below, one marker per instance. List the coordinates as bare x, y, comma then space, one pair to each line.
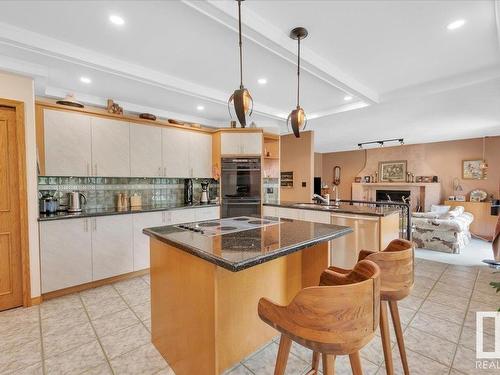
204, 192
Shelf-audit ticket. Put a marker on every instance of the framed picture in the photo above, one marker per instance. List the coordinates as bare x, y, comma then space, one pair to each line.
392, 171
357, 179
471, 170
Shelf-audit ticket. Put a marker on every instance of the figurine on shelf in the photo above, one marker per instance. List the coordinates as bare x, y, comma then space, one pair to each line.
114, 108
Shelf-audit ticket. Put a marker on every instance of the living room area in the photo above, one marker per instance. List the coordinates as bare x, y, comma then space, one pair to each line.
452, 188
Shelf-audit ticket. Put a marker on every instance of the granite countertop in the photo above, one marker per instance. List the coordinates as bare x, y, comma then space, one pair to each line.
342, 209
237, 251
113, 211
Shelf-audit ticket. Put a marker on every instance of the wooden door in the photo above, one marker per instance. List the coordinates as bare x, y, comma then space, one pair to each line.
11, 282
175, 145
65, 253
145, 151
200, 154
110, 148
67, 138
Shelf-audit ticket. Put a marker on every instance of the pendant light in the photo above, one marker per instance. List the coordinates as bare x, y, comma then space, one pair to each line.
241, 98
484, 165
297, 117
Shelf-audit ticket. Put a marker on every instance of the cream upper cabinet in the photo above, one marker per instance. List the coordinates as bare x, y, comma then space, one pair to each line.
67, 138
200, 154
112, 246
145, 151
65, 253
239, 143
175, 146
110, 148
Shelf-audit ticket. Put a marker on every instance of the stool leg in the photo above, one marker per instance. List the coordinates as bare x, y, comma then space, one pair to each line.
283, 352
315, 362
328, 364
355, 364
393, 306
386, 340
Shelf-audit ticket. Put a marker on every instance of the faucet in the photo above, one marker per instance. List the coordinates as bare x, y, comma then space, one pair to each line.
319, 199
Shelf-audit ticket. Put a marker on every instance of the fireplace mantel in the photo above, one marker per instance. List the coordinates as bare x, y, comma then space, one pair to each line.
424, 194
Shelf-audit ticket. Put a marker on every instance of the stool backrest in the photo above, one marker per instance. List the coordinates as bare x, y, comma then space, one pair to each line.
334, 317
396, 264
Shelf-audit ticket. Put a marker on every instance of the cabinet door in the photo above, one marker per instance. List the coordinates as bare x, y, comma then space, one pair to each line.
67, 138
145, 151
206, 213
112, 252
141, 241
200, 155
251, 143
270, 211
230, 143
65, 253
316, 216
289, 213
175, 146
110, 147
186, 215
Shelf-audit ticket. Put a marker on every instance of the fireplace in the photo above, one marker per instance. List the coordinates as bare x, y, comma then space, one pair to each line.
393, 195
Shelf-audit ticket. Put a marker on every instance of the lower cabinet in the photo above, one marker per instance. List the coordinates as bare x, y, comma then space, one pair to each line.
66, 253
112, 246
298, 214
78, 251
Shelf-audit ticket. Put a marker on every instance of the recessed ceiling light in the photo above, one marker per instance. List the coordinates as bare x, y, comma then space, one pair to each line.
117, 20
85, 80
200, 108
262, 81
456, 24
347, 98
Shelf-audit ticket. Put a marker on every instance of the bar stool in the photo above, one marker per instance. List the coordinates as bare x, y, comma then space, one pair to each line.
396, 264
337, 319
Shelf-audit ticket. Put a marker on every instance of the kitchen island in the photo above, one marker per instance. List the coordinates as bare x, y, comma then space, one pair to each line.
207, 278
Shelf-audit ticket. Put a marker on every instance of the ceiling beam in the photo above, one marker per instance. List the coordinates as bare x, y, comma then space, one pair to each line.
265, 34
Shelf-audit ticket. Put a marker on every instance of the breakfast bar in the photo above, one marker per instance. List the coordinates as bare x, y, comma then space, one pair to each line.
207, 278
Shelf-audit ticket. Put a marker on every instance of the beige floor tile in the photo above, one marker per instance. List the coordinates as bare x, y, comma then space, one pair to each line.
438, 327
433, 347
102, 369
105, 307
264, 361
485, 305
420, 291
128, 286
125, 340
61, 305
459, 274
143, 311
443, 312
97, 295
144, 360
343, 366
480, 296
137, 297
465, 361
469, 269
373, 351
470, 321
12, 319
452, 290
418, 364
147, 278
455, 281
36, 369
238, 370
468, 339
64, 321
77, 360
165, 371
20, 356
61, 341
17, 334
424, 282
429, 273
147, 323
459, 303
406, 315
411, 302
112, 323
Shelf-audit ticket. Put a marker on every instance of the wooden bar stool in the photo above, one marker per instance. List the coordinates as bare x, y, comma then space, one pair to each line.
396, 264
337, 319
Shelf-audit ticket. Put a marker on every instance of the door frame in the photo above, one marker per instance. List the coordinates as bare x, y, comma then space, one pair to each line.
23, 196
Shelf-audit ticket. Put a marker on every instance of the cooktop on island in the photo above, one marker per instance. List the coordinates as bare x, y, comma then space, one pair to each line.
228, 225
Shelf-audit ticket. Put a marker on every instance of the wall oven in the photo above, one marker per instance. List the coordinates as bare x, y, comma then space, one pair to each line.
241, 186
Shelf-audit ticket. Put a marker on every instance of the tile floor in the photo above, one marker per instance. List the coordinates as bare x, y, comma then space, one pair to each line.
107, 331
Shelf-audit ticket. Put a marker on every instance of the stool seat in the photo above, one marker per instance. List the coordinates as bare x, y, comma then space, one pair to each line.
339, 317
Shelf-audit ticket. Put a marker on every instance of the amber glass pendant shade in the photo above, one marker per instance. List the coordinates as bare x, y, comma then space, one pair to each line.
297, 120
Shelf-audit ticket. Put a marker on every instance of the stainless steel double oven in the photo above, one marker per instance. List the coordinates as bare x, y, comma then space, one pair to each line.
241, 184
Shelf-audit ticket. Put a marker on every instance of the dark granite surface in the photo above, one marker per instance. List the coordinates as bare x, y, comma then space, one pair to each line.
342, 209
240, 250
114, 211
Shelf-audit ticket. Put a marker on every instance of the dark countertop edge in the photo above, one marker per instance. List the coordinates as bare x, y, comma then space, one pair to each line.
337, 211
127, 212
236, 267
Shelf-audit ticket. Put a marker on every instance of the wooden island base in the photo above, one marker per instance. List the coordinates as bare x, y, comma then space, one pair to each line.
204, 317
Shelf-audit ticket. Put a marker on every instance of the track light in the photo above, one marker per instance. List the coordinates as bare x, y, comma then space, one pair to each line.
401, 141
360, 146
382, 142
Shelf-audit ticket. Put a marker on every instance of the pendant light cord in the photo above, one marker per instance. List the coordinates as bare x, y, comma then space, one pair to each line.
241, 44
298, 72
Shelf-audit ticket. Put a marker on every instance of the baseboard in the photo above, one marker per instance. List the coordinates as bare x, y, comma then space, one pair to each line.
92, 284
35, 301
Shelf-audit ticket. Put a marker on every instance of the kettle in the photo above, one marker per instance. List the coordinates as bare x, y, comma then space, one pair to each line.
74, 204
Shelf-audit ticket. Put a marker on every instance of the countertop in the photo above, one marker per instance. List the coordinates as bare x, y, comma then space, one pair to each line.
113, 211
342, 209
237, 251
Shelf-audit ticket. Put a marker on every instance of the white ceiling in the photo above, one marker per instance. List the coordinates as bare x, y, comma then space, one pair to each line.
409, 76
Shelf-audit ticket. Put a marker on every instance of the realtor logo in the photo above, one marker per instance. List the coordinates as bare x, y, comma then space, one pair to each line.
480, 317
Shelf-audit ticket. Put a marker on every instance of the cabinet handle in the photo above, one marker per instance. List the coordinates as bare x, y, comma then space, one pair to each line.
95, 225
159, 171
86, 225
